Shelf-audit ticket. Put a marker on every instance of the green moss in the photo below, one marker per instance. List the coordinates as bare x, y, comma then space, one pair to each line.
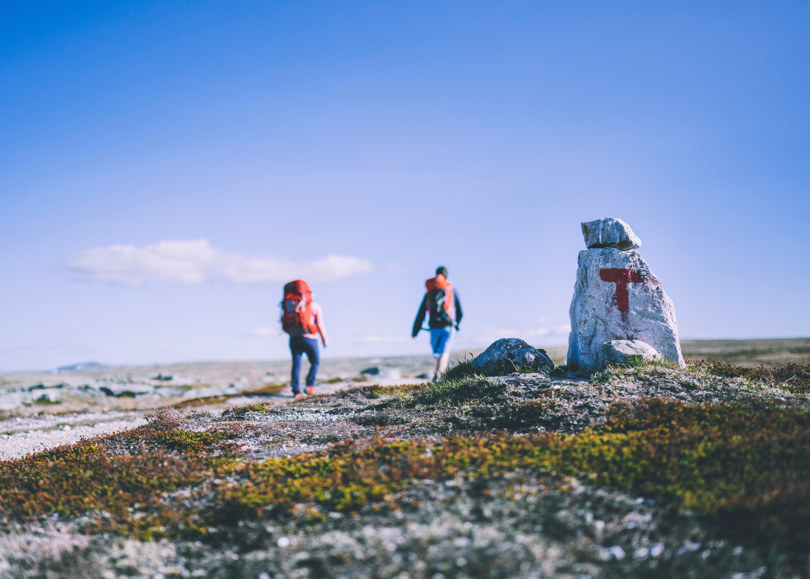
733, 463
601, 376
746, 467
375, 391
460, 370
243, 411
447, 393
124, 492
45, 401
166, 431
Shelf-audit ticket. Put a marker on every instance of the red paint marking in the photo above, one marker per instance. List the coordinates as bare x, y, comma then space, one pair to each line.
621, 277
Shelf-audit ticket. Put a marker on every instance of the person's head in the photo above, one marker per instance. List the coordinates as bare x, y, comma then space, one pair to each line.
441, 270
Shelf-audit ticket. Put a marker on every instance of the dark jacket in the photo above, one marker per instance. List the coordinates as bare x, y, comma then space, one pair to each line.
432, 323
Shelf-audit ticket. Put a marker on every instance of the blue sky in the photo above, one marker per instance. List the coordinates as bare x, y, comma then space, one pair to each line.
166, 166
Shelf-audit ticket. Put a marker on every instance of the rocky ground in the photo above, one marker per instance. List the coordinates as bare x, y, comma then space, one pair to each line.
40, 410
428, 480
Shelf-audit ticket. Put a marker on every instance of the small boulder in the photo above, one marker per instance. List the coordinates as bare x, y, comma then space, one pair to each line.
509, 355
126, 391
622, 352
610, 232
373, 371
48, 397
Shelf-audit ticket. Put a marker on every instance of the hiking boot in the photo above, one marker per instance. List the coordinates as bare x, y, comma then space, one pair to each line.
299, 396
311, 389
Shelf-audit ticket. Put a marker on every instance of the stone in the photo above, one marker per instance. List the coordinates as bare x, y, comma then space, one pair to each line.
609, 232
617, 297
622, 352
509, 355
126, 390
48, 397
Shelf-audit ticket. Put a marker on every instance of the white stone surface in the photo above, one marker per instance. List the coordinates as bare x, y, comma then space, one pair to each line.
509, 355
35, 434
609, 232
617, 297
620, 352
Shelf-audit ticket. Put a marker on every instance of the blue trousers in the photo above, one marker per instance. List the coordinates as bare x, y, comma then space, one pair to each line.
299, 346
440, 339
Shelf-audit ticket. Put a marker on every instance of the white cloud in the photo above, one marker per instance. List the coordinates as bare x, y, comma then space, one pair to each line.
563, 329
380, 340
197, 261
167, 261
265, 332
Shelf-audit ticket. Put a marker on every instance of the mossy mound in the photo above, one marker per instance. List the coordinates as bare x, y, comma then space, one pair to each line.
712, 459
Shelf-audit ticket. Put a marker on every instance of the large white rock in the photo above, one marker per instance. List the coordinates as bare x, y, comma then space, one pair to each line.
617, 297
609, 232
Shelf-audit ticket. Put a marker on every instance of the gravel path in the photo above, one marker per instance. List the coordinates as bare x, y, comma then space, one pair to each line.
22, 435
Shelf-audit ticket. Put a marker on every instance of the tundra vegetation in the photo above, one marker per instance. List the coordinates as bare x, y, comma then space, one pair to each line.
634, 470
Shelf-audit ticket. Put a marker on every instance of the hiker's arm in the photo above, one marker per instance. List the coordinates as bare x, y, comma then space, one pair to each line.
317, 313
420, 317
459, 313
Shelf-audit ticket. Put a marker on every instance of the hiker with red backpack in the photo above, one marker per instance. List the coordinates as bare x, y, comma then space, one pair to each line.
302, 319
442, 305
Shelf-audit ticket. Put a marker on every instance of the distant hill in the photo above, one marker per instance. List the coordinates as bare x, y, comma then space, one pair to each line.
82, 366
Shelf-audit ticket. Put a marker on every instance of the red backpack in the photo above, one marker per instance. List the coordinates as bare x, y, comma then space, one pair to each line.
296, 309
439, 301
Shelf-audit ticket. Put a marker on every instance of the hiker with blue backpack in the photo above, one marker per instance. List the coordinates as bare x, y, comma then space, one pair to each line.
302, 319
443, 308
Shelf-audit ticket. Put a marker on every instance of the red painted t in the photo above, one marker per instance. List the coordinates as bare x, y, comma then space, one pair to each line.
621, 277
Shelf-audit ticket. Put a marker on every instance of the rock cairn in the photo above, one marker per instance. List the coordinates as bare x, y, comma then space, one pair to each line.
617, 297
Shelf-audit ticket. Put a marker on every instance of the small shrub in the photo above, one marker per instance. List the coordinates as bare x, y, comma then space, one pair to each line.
454, 392
601, 377
461, 369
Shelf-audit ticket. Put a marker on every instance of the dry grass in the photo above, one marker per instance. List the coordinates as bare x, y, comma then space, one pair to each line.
749, 353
